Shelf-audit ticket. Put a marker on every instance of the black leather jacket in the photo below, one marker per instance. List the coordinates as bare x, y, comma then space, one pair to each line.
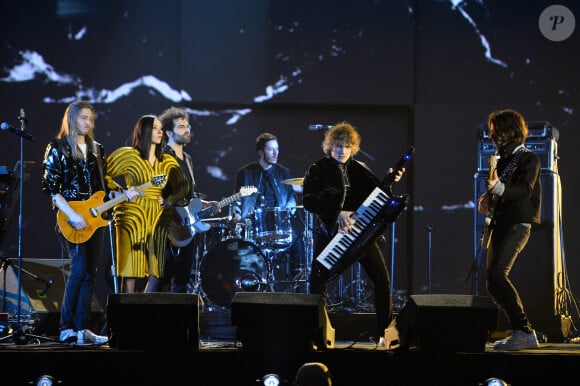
75, 180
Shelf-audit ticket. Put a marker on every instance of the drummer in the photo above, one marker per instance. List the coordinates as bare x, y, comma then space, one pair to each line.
271, 180
266, 174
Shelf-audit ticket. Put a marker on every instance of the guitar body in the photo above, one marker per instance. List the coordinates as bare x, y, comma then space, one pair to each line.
83, 208
488, 223
185, 221
179, 231
92, 210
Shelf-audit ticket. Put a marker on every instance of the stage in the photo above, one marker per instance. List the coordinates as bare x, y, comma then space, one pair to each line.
220, 358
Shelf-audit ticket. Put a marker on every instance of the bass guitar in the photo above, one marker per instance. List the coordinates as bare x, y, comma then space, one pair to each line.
492, 199
92, 210
188, 222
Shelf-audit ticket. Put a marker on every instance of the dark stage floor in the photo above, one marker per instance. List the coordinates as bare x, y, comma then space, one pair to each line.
220, 359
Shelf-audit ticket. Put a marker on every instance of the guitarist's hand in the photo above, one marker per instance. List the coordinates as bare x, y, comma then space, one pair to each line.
131, 194
483, 204
215, 208
490, 183
398, 175
77, 221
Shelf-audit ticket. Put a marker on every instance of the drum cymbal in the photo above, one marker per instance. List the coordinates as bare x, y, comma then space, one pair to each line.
293, 181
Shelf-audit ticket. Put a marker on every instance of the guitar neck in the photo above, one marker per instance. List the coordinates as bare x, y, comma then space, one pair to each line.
117, 200
226, 201
492, 165
390, 177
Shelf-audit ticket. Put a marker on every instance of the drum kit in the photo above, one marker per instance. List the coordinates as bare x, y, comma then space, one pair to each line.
255, 255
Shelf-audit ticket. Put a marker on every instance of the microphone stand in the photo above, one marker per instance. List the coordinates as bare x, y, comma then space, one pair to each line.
19, 336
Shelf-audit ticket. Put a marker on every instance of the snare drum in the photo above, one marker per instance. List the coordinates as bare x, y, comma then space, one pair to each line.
272, 227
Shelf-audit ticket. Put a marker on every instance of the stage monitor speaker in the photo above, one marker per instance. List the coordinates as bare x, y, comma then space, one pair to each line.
149, 321
447, 323
289, 322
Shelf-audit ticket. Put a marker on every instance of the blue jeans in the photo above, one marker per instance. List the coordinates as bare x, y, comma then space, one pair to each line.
75, 311
506, 244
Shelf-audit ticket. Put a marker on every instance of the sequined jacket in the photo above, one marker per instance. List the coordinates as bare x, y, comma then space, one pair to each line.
74, 179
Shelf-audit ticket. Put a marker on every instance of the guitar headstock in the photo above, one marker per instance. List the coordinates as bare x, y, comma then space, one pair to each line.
247, 190
158, 179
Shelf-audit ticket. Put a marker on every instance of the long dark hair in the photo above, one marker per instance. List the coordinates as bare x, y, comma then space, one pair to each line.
507, 126
69, 130
141, 139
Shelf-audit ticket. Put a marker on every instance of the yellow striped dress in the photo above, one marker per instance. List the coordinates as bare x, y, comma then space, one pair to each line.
140, 240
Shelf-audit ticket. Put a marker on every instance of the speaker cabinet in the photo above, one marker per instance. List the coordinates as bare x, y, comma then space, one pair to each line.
447, 323
149, 321
267, 322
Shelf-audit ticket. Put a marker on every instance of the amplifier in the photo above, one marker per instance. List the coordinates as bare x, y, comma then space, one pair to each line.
546, 149
536, 129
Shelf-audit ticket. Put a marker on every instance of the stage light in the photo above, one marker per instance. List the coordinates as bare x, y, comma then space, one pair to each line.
46, 380
271, 380
494, 382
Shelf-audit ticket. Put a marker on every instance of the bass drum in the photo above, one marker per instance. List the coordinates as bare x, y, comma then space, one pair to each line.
232, 266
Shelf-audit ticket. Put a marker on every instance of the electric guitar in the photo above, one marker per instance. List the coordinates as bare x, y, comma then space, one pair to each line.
188, 222
92, 209
488, 221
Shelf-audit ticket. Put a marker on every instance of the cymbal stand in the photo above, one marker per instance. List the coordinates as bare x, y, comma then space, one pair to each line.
358, 288
194, 284
303, 276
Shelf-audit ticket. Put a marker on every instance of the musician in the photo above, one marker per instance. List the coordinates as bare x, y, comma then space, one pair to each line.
179, 260
140, 240
73, 170
266, 174
334, 187
516, 184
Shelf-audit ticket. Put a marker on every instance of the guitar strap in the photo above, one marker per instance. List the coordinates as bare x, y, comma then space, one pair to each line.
509, 169
190, 168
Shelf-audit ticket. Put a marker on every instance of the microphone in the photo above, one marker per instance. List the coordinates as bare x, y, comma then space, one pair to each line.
319, 127
6, 127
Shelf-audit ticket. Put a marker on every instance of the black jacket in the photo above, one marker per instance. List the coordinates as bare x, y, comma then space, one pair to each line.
75, 180
324, 189
253, 174
521, 199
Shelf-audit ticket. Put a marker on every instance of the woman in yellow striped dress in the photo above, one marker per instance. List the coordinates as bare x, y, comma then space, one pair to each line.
140, 238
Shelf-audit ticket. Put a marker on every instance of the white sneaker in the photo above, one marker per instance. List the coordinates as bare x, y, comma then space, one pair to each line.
68, 336
517, 340
86, 336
